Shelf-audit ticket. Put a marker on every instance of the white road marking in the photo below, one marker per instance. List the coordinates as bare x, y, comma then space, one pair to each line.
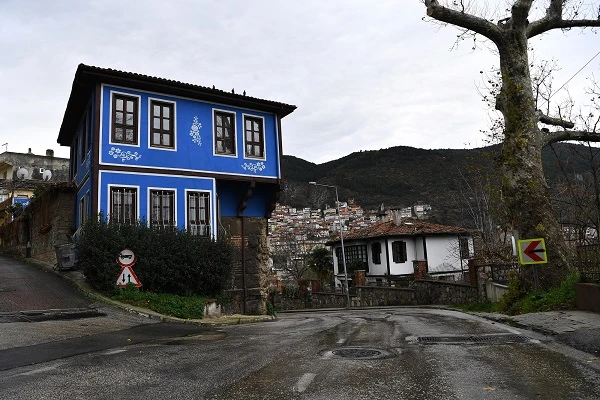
40, 370
342, 341
303, 382
114, 351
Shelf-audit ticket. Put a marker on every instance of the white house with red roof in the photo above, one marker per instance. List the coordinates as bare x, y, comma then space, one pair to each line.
394, 248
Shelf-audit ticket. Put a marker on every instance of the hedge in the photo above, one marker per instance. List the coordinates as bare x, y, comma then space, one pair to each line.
167, 260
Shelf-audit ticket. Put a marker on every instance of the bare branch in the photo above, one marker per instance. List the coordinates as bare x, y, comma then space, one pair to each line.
561, 136
464, 20
554, 20
554, 121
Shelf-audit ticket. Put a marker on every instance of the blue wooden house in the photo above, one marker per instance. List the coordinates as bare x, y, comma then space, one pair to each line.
173, 154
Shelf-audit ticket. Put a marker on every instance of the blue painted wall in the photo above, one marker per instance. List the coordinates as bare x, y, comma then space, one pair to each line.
144, 182
194, 147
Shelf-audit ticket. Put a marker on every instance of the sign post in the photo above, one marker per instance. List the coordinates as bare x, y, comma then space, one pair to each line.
126, 259
533, 251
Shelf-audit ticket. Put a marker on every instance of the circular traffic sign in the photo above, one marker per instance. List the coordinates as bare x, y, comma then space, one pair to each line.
126, 258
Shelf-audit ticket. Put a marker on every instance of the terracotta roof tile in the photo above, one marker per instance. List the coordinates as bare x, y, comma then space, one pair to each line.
409, 227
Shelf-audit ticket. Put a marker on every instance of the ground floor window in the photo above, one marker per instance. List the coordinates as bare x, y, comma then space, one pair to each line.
198, 213
84, 208
123, 205
356, 257
463, 245
376, 252
162, 208
399, 251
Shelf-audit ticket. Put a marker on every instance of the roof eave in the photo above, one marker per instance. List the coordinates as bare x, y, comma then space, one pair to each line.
87, 77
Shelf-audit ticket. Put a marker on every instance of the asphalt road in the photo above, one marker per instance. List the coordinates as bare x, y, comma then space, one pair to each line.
26, 287
400, 353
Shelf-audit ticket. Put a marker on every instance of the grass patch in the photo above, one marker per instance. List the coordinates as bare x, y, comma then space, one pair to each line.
186, 307
479, 306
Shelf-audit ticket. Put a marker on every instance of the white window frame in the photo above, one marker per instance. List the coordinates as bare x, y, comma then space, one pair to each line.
110, 115
235, 133
149, 204
264, 139
211, 210
109, 202
151, 124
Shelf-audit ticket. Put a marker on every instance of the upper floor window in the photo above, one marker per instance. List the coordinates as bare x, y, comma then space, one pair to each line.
162, 132
162, 207
254, 137
198, 213
123, 204
124, 119
399, 251
88, 129
224, 126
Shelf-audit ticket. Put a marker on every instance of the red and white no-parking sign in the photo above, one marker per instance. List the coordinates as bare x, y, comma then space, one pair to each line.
126, 258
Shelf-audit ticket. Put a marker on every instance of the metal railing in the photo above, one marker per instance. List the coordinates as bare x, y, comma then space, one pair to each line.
588, 259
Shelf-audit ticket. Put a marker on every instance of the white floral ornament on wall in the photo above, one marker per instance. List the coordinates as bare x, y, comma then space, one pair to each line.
195, 131
254, 167
124, 155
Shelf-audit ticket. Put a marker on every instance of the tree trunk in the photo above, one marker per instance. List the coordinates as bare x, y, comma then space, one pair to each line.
524, 187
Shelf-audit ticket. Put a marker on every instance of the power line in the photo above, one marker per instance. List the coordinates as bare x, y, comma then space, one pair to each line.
574, 75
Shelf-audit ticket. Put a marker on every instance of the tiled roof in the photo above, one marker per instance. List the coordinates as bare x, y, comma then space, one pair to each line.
408, 227
87, 77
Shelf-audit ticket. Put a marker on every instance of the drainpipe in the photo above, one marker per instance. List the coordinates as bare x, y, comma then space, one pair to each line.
243, 244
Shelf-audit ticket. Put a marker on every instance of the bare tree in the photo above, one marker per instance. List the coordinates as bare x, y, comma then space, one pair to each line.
524, 188
290, 254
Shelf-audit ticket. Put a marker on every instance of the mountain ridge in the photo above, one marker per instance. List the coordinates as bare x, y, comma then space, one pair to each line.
401, 176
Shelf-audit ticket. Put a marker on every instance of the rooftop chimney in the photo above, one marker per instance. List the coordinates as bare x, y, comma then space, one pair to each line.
397, 217
29, 151
50, 153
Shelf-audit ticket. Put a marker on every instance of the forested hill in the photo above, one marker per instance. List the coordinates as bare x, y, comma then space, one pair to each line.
401, 176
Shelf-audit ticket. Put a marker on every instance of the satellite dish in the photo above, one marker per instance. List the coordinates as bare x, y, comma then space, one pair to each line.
22, 173
47, 175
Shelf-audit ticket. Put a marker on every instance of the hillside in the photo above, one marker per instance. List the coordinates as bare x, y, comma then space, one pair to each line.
401, 176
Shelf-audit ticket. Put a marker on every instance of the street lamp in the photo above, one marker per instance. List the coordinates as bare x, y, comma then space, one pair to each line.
337, 204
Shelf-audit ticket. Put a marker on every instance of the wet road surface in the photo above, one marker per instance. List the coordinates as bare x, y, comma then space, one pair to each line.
399, 353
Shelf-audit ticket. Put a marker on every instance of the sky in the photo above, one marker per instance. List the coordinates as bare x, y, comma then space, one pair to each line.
365, 75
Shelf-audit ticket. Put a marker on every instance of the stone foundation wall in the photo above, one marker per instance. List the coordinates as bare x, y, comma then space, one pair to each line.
329, 300
45, 223
254, 258
422, 292
441, 292
370, 296
587, 296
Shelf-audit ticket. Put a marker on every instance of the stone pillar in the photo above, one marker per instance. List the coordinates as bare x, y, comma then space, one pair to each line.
255, 262
360, 277
472, 263
315, 286
420, 267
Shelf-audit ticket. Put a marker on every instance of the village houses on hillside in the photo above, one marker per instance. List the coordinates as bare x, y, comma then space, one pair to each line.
295, 232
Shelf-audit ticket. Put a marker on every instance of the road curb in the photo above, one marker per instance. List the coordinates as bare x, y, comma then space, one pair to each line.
79, 283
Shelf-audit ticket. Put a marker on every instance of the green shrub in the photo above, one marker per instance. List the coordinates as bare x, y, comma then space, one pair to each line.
513, 294
515, 301
168, 260
291, 290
